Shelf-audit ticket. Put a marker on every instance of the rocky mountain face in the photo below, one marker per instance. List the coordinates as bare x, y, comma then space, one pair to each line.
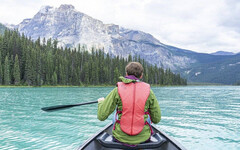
222, 69
72, 27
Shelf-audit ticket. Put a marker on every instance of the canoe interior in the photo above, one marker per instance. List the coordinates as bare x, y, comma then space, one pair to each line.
93, 144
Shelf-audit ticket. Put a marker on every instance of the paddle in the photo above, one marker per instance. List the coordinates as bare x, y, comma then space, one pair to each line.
54, 108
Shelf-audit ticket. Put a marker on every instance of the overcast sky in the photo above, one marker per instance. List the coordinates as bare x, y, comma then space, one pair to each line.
199, 25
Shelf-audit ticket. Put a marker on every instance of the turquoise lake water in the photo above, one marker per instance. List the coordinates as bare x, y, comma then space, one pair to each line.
199, 117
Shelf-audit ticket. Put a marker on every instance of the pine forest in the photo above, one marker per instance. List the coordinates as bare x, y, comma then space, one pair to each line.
36, 63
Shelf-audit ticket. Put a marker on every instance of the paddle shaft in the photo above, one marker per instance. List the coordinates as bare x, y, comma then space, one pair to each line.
58, 107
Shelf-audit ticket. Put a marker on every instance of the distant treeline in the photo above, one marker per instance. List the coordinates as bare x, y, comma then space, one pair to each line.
237, 83
35, 63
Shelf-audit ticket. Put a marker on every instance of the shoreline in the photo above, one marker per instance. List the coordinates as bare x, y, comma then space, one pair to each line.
96, 86
52, 86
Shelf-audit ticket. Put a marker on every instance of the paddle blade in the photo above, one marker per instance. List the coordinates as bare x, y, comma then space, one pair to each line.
53, 108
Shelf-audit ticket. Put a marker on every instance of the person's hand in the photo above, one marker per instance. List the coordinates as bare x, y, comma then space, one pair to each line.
101, 99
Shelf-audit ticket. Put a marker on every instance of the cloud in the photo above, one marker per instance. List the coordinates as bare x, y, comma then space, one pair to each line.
203, 26
14, 11
196, 25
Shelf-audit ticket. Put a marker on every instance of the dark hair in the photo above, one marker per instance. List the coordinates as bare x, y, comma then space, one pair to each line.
134, 68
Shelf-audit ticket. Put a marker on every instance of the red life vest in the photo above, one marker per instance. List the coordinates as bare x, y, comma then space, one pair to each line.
133, 97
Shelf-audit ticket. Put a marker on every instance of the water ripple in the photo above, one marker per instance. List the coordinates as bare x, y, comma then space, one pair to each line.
198, 117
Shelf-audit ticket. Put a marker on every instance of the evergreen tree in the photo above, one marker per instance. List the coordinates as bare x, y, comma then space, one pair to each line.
116, 75
1, 70
6, 71
49, 67
4, 47
29, 69
16, 71
161, 82
129, 58
62, 75
54, 79
11, 69
86, 73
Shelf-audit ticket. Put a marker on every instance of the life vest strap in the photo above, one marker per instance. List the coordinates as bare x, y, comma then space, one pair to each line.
147, 113
146, 123
117, 121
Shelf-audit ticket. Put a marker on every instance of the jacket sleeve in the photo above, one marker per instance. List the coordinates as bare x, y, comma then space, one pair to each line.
154, 108
106, 107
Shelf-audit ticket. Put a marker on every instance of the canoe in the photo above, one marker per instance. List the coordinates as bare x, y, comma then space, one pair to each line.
103, 140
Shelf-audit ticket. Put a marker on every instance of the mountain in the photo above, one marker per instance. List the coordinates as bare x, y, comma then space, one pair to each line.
72, 27
225, 71
223, 53
2, 28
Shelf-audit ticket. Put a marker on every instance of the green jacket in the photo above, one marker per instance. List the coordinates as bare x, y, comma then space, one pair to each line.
106, 107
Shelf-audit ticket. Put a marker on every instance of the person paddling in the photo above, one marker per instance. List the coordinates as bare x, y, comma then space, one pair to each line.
136, 107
